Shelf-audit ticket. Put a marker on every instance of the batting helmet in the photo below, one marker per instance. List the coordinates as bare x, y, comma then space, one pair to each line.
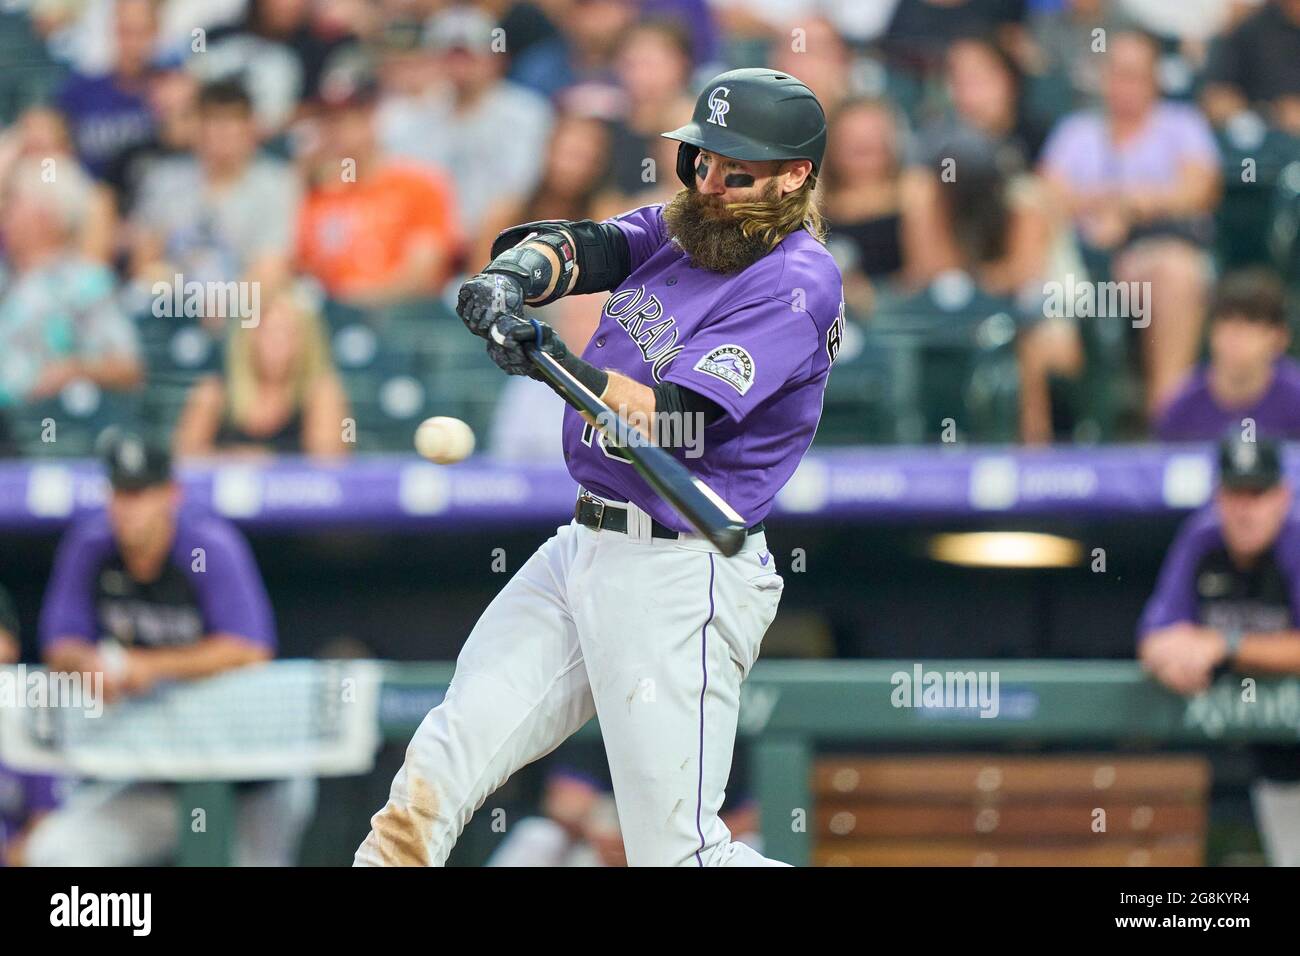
753, 114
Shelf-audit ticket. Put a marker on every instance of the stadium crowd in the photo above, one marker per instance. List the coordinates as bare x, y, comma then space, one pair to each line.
1032, 202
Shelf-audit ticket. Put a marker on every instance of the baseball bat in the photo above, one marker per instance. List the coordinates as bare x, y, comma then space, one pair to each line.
694, 500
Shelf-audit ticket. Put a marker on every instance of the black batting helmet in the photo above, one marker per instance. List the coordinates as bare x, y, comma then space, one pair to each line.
753, 114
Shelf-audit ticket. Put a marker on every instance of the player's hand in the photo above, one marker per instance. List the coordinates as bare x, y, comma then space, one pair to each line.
487, 297
138, 676
1183, 657
508, 336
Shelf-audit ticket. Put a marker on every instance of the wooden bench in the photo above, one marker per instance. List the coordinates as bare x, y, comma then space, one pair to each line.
995, 810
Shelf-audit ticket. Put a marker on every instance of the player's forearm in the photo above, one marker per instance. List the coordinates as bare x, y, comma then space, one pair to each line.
213, 655
71, 654
1274, 653
629, 399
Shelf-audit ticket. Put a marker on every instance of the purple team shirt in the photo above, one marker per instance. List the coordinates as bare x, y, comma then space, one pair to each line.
759, 343
1175, 599
227, 596
1194, 414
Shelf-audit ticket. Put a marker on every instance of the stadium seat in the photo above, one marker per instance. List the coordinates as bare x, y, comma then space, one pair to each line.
951, 356
67, 425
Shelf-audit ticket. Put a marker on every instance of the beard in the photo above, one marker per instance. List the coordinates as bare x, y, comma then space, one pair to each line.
711, 234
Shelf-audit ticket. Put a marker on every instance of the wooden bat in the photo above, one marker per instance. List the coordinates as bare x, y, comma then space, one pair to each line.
694, 500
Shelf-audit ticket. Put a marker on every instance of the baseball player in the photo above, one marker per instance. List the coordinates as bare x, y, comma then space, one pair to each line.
1228, 599
726, 309
127, 600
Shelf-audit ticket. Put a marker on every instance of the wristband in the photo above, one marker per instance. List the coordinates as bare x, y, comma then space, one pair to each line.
1233, 638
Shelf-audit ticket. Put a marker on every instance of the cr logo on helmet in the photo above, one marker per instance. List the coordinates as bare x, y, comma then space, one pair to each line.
719, 106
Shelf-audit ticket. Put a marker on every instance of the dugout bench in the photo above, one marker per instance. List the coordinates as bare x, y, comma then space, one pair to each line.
791, 710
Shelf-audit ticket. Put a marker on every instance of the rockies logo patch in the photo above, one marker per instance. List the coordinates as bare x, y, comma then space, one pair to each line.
732, 364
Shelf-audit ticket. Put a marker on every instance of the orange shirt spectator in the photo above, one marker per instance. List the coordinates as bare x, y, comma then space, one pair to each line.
368, 240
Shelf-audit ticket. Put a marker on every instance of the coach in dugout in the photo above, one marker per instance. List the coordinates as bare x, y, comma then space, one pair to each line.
1228, 600
146, 592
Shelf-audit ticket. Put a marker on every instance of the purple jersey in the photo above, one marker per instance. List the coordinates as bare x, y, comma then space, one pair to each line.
22, 796
1199, 584
105, 118
759, 343
215, 590
1195, 415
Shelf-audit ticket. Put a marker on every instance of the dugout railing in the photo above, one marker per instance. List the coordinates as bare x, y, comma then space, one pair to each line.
792, 709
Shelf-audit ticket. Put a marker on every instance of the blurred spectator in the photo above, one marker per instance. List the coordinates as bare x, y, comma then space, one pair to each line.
279, 51
173, 95
1255, 67
1228, 601
1064, 37
462, 123
59, 321
24, 797
22, 41
992, 221
41, 135
653, 67
127, 604
372, 230
1249, 376
861, 185
278, 392
976, 209
922, 30
1141, 180
584, 51
224, 214
814, 52
984, 88
80, 32
108, 112
527, 423
770, 20
693, 16
576, 160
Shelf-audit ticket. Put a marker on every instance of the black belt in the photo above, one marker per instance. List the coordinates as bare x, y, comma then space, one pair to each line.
594, 513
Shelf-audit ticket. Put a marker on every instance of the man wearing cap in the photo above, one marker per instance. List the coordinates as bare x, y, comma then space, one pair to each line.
145, 592
1228, 599
725, 315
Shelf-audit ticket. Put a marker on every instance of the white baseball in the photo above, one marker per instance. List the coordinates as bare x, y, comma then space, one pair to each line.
444, 440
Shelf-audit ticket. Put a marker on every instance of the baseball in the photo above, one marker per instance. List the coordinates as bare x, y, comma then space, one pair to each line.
444, 440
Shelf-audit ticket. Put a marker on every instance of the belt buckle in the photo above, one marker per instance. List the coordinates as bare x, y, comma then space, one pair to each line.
600, 509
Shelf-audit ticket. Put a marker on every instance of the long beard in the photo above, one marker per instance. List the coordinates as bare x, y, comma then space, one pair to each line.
711, 234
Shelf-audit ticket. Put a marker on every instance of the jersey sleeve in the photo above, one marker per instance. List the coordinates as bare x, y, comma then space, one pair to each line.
645, 232
1174, 599
68, 610
748, 355
229, 588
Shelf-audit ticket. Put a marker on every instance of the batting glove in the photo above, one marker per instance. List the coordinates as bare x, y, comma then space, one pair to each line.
487, 297
506, 340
